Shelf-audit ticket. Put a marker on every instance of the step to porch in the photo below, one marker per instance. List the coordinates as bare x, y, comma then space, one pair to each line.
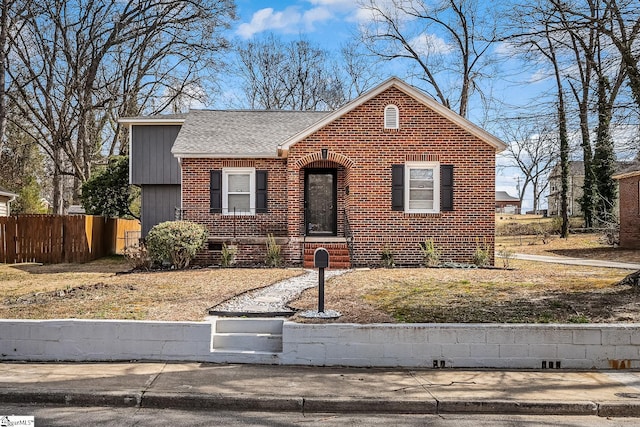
250, 336
339, 258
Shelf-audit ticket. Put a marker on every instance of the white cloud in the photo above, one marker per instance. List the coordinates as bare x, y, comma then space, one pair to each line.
337, 4
430, 44
295, 19
317, 14
268, 19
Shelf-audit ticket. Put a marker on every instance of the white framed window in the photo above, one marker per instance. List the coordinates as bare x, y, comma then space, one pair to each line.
238, 191
422, 187
391, 117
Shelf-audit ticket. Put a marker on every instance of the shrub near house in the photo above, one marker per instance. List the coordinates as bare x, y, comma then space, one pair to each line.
385, 172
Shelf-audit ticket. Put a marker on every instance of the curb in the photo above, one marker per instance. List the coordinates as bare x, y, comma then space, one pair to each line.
517, 407
240, 402
61, 397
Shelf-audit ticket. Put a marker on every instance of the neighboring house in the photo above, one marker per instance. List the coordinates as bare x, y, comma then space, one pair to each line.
386, 171
6, 197
576, 182
629, 193
76, 210
507, 204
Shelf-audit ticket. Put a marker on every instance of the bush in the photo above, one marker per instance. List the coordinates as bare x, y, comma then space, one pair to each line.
481, 256
506, 255
430, 254
228, 255
175, 242
274, 252
137, 257
387, 258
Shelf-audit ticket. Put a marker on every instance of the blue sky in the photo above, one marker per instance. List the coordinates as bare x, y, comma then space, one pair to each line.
331, 23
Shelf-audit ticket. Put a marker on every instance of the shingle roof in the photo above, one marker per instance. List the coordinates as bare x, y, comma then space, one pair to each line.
240, 133
503, 196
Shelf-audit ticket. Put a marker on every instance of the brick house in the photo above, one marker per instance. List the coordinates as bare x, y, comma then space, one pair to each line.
386, 171
629, 203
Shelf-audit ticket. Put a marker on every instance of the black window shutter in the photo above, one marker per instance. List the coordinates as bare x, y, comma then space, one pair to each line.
397, 187
261, 191
446, 187
215, 192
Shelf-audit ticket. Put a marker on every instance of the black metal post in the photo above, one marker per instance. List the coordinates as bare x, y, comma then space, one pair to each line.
321, 290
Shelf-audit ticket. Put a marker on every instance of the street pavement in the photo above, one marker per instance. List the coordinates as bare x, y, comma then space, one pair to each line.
321, 389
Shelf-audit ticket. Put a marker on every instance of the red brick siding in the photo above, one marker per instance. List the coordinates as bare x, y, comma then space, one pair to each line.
363, 153
359, 135
629, 212
195, 207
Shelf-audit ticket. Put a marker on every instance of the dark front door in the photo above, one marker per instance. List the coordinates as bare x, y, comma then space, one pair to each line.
320, 202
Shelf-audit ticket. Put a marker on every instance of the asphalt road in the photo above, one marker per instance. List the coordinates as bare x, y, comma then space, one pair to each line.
130, 417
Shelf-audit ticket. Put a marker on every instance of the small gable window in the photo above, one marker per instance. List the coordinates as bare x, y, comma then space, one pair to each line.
391, 117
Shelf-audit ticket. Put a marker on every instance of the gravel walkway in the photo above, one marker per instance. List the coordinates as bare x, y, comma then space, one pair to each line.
274, 298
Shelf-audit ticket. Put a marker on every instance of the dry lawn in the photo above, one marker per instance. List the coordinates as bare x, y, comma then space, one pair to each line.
577, 245
528, 292
95, 291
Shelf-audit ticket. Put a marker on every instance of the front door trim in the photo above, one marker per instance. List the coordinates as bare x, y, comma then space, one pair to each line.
334, 200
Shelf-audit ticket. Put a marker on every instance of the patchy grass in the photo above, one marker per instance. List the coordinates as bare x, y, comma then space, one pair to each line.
577, 245
95, 291
528, 293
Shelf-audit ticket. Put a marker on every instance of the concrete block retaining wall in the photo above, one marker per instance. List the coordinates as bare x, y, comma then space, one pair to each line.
527, 346
591, 346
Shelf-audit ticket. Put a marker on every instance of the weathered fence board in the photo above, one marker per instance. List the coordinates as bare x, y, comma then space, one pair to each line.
61, 238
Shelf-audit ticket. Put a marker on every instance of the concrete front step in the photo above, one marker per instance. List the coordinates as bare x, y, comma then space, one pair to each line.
338, 254
258, 326
237, 342
247, 336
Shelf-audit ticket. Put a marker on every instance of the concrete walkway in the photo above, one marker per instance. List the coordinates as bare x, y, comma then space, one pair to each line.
316, 389
577, 261
274, 299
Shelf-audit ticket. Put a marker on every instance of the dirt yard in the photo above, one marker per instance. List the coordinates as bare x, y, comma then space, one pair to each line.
527, 292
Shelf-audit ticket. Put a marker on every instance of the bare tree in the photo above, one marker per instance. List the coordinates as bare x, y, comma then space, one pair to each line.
533, 149
67, 74
10, 18
537, 37
295, 75
447, 40
621, 23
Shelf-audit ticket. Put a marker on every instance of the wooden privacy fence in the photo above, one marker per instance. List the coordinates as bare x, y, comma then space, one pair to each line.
62, 238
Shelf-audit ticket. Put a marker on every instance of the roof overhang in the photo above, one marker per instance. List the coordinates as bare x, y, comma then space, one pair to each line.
418, 95
147, 121
626, 175
11, 196
224, 156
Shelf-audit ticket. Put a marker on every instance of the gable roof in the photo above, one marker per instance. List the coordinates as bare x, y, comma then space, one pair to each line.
503, 196
416, 94
239, 133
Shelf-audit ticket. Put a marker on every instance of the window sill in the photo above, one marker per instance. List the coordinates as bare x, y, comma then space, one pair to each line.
423, 214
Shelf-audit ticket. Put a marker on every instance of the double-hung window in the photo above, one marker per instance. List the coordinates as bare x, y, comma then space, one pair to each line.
238, 191
422, 187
